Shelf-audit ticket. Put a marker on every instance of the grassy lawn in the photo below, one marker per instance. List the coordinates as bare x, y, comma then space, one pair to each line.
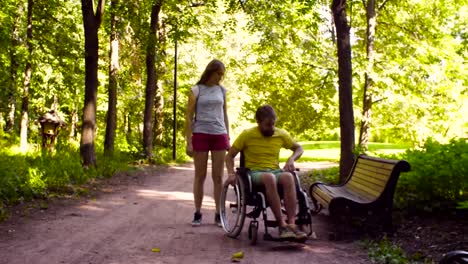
330, 150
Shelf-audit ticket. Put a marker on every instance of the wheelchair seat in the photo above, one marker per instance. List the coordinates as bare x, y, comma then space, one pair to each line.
246, 199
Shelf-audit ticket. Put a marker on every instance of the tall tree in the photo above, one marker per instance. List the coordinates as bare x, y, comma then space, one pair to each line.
415, 69
27, 82
368, 95
111, 123
92, 22
293, 68
345, 87
161, 70
14, 64
151, 80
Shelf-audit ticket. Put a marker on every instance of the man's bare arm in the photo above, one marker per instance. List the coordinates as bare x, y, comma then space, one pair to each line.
297, 153
232, 153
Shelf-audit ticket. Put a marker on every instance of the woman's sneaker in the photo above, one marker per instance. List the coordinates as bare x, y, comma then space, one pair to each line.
197, 217
218, 220
286, 233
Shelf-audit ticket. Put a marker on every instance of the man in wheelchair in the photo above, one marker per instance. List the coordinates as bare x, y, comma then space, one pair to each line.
261, 146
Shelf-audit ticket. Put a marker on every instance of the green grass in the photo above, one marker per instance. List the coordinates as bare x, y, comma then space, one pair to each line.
330, 150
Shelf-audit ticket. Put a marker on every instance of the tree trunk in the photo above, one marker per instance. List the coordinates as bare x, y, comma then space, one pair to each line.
12, 89
369, 82
10, 121
91, 25
113, 68
128, 126
150, 82
158, 116
345, 87
26, 84
159, 100
74, 124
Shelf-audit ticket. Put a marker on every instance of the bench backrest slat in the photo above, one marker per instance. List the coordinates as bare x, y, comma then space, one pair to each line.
358, 192
374, 177
362, 189
369, 178
377, 164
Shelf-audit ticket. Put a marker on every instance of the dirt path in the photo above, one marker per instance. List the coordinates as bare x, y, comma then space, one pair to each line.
150, 209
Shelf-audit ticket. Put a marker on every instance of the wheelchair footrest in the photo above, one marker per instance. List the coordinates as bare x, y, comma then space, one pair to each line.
269, 237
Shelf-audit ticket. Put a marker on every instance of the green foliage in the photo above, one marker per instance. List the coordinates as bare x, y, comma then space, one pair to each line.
327, 175
330, 150
40, 174
14, 176
463, 205
385, 252
438, 179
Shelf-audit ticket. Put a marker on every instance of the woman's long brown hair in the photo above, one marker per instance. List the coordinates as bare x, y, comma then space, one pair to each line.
212, 67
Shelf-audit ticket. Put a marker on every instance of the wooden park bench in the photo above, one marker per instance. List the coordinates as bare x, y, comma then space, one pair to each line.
368, 191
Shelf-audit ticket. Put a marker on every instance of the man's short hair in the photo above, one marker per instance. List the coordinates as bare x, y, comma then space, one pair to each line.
265, 112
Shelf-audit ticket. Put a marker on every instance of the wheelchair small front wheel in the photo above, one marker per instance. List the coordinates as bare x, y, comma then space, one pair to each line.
233, 208
305, 223
253, 232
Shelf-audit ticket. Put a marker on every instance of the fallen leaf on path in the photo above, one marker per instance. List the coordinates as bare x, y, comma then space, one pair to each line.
156, 250
236, 257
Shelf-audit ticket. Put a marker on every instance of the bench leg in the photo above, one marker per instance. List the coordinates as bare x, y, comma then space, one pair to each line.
388, 221
341, 223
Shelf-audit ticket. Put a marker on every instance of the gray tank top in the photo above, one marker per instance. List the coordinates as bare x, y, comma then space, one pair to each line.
209, 110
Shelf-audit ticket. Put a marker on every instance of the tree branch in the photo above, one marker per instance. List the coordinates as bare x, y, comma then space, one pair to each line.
99, 12
382, 5
319, 67
406, 30
378, 100
197, 4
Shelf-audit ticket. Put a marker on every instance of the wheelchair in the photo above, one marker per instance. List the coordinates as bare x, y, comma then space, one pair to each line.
247, 200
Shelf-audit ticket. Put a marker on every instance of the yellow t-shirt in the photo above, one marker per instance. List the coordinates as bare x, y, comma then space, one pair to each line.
262, 152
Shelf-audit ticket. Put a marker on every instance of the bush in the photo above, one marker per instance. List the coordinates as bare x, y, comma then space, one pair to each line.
328, 175
38, 174
438, 179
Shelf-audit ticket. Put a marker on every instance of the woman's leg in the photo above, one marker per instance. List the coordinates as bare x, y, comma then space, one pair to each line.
200, 159
217, 166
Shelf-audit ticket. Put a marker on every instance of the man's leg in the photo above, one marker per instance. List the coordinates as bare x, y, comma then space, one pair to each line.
269, 181
271, 188
286, 180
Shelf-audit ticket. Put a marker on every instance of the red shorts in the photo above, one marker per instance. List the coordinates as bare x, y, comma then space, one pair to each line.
207, 142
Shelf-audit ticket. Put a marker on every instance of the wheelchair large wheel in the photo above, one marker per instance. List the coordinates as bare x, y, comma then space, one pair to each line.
233, 208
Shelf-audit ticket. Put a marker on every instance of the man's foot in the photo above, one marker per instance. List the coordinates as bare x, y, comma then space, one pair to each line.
197, 217
285, 232
300, 235
218, 220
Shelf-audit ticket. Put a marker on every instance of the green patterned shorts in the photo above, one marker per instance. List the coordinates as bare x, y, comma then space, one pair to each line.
255, 174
